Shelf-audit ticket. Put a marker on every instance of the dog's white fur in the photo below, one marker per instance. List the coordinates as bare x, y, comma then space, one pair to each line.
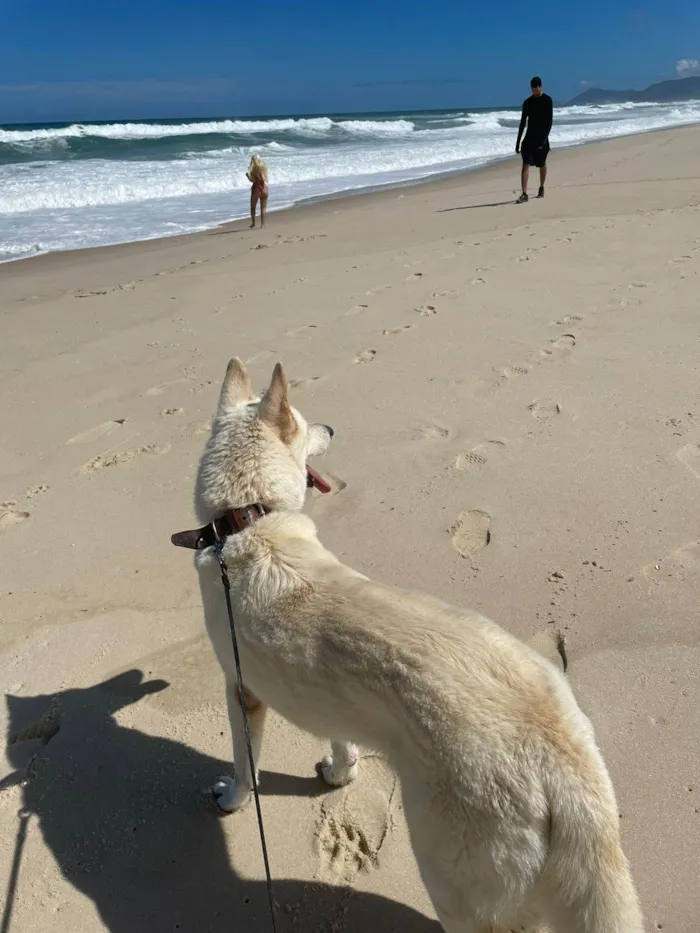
511, 811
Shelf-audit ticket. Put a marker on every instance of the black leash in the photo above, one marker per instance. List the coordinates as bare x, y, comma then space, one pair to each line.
218, 548
23, 817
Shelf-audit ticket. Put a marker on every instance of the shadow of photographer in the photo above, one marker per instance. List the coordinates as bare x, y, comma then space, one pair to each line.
118, 810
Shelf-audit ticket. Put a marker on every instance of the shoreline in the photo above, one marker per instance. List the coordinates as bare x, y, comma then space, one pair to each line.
304, 204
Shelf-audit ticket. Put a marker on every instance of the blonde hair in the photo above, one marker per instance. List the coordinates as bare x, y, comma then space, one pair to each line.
257, 167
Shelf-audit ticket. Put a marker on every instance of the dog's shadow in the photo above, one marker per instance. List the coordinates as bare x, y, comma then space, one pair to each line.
121, 814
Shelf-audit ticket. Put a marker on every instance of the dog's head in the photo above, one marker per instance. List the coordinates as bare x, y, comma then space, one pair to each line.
258, 448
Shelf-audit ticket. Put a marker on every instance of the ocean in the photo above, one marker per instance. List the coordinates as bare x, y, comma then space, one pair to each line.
69, 186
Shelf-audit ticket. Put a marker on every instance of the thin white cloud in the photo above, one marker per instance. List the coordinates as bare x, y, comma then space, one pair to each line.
585, 83
685, 67
150, 90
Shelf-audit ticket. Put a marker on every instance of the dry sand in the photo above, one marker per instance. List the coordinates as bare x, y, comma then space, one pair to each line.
515, 395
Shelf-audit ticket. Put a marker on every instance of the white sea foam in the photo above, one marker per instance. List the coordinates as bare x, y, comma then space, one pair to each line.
162, 130
52, 202
377, 127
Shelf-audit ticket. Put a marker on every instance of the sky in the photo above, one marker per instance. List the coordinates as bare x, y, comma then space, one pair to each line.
74, 60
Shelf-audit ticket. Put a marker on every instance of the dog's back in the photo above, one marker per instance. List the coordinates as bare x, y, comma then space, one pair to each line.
509, 804
505, 789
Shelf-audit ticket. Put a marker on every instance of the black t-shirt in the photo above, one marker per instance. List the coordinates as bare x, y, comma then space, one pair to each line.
538, 111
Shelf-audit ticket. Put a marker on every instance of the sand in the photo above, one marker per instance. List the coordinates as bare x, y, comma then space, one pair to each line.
514, 391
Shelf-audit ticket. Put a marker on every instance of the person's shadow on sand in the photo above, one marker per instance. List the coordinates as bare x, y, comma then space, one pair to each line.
119, 811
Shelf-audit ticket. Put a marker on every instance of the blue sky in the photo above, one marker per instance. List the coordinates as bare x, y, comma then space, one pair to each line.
74, 60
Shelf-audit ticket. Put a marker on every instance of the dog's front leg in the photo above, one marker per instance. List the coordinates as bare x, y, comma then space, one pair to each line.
232, 793
340, 767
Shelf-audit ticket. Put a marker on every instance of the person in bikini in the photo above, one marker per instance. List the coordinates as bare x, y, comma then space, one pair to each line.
257, 176
538, 111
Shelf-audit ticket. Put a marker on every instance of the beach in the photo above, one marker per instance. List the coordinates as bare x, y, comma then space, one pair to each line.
513, 390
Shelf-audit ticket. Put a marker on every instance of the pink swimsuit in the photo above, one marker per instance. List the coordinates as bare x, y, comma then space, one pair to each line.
260, 187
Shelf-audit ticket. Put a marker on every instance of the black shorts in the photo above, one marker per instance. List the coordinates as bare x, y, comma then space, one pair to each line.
534, 155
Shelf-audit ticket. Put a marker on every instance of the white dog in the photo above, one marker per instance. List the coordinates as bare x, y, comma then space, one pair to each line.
511, 811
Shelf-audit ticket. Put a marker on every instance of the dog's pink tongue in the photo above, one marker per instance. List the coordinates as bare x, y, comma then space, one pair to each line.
317, 481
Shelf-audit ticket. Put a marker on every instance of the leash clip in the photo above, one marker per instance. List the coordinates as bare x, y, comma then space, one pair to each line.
219, 542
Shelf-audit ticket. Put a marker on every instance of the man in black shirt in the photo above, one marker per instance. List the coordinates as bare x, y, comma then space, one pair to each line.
537, 112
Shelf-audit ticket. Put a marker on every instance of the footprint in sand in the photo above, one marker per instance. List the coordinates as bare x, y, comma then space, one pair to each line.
543, 409
552, 646
304, 383
449, 293
10, 516
431, 431
377, 289
560, 346
264, 356
478, 281
354, 823
204, 427
427, 311
477, 457
109, 460
566, 319
172, 411
201, 386
35, 491
689, 456
513, 372
159, 389
305, 328
414, 277
471, 533
356, 309
298, 239
365, 356
98, 431
393, 331
679, 566
45, 728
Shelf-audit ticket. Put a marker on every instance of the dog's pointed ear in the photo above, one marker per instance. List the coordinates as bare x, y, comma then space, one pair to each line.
237, 387
274, 408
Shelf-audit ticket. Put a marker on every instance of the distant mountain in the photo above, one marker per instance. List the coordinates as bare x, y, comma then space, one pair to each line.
662, 93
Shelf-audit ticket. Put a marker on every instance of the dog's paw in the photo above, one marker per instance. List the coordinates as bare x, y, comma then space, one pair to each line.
338, 775
229, 796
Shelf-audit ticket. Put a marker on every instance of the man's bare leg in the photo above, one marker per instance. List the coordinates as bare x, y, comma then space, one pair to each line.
543, 176
525, 176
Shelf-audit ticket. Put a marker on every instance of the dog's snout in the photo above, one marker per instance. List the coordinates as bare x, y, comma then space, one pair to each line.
329, 429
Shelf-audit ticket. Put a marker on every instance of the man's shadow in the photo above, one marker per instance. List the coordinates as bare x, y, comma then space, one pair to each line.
475, 207
120, 812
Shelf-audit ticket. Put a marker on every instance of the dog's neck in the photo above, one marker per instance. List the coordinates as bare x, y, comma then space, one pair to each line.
235, 520
230, 523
